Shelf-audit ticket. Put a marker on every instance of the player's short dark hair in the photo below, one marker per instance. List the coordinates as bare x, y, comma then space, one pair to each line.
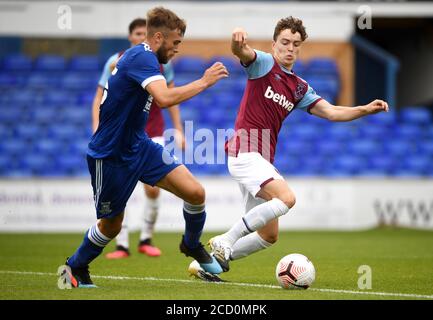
161, 19
136, 23
294, 24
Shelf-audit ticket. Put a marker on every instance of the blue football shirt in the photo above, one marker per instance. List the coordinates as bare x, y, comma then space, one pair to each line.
125, 106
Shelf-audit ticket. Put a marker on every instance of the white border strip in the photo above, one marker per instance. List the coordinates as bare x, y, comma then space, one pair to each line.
385, 294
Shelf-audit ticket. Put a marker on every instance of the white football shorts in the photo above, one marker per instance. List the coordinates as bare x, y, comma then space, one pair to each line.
252, 172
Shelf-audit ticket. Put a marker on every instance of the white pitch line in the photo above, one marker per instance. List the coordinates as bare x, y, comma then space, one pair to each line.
386, 294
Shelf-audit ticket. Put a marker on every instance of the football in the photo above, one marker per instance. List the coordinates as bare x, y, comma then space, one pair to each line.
295, 271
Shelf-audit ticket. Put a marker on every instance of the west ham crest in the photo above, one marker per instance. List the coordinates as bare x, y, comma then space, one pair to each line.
299, 89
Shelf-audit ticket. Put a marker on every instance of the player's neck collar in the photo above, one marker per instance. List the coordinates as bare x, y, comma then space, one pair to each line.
285, 69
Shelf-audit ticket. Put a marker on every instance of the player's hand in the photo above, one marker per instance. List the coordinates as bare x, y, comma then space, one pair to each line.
214, 73
377, 106
239, 38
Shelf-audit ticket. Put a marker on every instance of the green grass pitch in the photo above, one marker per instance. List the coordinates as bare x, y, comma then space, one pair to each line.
401, 261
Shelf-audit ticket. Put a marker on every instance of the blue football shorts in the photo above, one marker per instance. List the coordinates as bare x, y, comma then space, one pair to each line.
114, 182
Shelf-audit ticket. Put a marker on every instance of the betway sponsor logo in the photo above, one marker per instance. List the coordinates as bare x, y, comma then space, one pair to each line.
279, 98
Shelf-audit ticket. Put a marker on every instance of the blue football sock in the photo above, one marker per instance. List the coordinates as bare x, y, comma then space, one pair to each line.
195, 217
91, 247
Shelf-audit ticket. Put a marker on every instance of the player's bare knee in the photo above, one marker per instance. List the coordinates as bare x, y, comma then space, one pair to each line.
270, 237
197, 195
289, 200
110, 227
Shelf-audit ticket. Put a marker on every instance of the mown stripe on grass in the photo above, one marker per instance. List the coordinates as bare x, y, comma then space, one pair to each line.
386, 294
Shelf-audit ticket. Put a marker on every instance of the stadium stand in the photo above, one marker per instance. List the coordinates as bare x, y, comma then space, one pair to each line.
45, 119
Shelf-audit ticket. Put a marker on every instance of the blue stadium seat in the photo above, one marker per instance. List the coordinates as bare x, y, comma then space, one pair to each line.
429, 132
426, 147
329, 147
376, 132
6, 131
300, 68
384, 163
190, 111
232, 64
10, 115
79, 146
8, 81
349, 164
42, 80
324, 84
25, 97
383, 118
237, 85
184, 78
43, 115
190, 64
84, 63
399, 148
36, 162
28, 131
64, 132
57, 98
17, 63
48, 146
5, 163
79, 81
364, 147
341, 132
313, 165
405, 173
408, 131
419, 163
292, 148
50, 63
226, 103
416, 115
285, 163
322, 66
305, 132
297, 116
85, 98
71, 163
80, 116
14, 146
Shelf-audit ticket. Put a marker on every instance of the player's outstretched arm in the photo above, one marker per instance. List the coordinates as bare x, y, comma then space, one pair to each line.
177, 122
165, 96
324, 109
239, 46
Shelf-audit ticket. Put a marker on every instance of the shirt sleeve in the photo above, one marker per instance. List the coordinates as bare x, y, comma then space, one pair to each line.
168, 72
261, 65
309, 100
144, 69
106, 72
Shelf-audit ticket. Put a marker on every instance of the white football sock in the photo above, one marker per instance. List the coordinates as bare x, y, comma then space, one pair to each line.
256, 218
122, 238
97, 237
247, 245
150, 216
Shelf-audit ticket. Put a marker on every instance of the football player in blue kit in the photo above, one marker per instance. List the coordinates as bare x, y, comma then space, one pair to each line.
120, 153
